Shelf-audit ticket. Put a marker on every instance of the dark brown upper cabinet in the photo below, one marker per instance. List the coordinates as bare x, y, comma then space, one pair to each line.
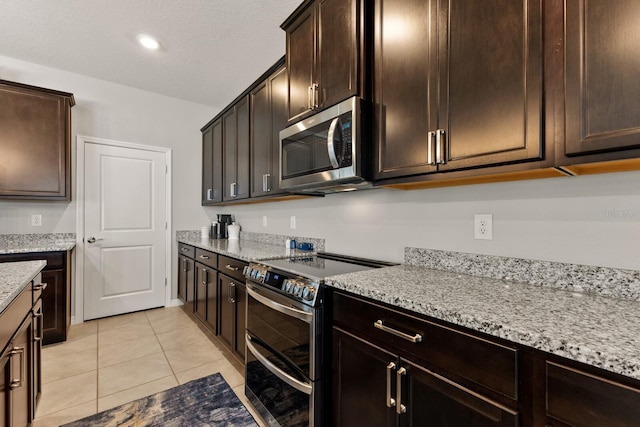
323, 54
602, 87
235, 147
212, 163
457, 85
268, 118
35, 141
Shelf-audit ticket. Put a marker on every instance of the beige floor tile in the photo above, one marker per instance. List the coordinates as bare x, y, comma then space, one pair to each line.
82, 330
135, 393
68, 392
187, 337
132, 373
67, 415
164, 313
182, 359
129, 350
54, 369
69, 348
231, 375
108, 323
199, 372
171, 323
123, 334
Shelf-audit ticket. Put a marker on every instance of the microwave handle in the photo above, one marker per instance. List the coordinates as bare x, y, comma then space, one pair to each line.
330, 147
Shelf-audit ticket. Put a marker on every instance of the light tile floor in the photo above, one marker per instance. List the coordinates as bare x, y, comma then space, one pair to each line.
107, 362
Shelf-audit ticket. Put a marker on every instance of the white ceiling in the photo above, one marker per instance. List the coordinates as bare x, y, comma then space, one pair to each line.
211, 50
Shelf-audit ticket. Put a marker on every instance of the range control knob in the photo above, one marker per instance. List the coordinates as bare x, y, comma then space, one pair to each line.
286, 286
309, 293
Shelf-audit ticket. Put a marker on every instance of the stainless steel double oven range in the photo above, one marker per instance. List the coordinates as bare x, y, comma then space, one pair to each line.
285, 363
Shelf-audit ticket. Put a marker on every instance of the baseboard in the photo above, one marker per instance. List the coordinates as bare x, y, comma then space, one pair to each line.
174, 303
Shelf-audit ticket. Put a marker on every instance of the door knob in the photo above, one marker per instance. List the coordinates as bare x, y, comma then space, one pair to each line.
92, 240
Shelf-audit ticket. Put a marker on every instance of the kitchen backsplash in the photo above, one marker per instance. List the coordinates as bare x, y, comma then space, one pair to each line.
273, 239
603, 281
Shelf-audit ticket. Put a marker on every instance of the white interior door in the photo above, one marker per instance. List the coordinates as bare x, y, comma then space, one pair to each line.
124, 230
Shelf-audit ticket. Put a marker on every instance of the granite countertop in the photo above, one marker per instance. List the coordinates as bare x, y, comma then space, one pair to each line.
247, 250
14, 277
597, 330
30, 243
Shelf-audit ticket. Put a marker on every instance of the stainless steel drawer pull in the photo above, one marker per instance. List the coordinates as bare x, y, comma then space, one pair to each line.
18, 382
414, 339
400, 408
430, 137
204, 257
184, 249
391, 402
40, 287
231, 267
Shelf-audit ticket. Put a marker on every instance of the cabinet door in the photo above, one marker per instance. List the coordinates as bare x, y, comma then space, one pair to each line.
602, 85
4, 389
20, 358
490, 73
241, 319
236, 151
212, 164
185, 279
434, 401
226, 290
268, 118
301, 62
204, 277
360, 383
405, 60
54, 306
338, 50
212, 300
35, 123
36, 362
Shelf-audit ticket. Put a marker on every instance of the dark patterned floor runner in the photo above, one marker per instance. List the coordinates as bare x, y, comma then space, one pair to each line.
204, 402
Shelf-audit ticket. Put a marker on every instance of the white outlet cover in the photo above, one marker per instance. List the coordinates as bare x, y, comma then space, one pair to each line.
483, 226
36, 220
264, 220
293, 222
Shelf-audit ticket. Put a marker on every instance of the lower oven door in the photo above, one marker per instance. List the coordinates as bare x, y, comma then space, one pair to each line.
280, 376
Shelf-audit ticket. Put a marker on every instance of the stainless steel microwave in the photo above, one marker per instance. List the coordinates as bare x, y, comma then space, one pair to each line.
323, 152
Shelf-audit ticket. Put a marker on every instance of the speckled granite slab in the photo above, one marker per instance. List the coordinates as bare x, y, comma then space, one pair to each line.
599, 331
14, 276
250, 246
24, 243
604, 281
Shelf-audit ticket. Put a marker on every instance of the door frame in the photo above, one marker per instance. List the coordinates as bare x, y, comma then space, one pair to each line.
81, 141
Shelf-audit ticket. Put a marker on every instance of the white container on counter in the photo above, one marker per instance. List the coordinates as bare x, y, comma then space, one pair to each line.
204, 232
234, 231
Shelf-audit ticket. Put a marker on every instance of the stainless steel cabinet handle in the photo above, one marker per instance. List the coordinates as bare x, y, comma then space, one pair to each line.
184, 264
39, 316
232, 292
231, 267
267, 182
18, 382
93, 240
184, 249
400, 408
206, 276
431, 136
309, 97
316, 96
210, 194
414, 339
440, 147
204, 257
391, 402
234, 187
40, 287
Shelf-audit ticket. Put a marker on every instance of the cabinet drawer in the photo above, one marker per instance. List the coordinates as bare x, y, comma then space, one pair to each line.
232, 267
482, 362
583, 400
186, 250
54, 259
207, 258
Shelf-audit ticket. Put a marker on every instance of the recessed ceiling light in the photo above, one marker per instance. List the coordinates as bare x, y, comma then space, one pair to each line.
148, 42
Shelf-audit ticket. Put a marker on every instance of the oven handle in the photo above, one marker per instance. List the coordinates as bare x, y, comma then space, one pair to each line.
305, 388
289, 311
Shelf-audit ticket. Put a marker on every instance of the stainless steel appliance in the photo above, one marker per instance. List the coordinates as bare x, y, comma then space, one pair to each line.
324, 152
284, 335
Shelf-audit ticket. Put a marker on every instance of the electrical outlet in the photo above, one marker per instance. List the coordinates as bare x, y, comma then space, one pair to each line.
36, 220
293, 222
264, 220
483, 227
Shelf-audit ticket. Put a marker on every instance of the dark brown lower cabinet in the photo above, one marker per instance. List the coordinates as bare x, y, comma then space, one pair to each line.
232, 313
374, 387
15, 363
56, 298
186, 275
37, 322
206, 295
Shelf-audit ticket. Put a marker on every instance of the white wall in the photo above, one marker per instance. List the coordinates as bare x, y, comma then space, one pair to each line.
111, 111
592, 220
